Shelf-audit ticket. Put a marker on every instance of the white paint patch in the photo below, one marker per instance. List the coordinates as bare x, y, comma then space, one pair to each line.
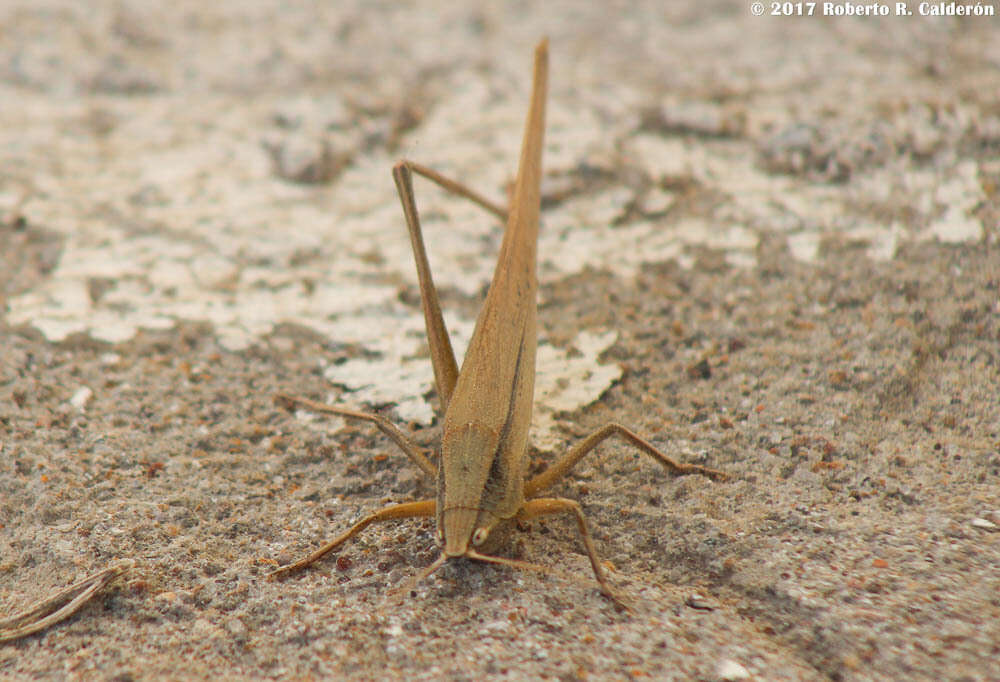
401, 373
174, 213
882, 243
959, 195
565, 380
665, 156
804, 246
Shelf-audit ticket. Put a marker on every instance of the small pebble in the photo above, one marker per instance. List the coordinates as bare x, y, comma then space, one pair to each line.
731, 670
697, 601
81, 398
983, 524
306, 160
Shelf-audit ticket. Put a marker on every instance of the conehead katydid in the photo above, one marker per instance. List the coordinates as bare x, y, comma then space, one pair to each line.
482, 464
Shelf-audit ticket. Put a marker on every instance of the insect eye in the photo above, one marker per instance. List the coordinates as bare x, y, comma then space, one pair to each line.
479, 537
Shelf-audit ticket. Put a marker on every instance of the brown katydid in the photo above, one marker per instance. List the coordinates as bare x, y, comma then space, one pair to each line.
481, 487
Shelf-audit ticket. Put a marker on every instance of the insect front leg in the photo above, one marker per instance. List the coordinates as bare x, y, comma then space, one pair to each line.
406, 510
545, 506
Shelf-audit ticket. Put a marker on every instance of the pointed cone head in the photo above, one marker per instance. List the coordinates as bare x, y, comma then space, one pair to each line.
459, 525
466, 454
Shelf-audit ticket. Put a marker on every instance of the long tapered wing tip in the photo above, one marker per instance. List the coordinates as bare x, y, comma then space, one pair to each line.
541, 74
542, 51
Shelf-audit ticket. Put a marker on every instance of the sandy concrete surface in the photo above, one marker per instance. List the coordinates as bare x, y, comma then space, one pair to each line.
769, 244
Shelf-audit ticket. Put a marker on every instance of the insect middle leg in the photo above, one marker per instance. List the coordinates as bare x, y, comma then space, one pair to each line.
541, 506
411, 449
561, 467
